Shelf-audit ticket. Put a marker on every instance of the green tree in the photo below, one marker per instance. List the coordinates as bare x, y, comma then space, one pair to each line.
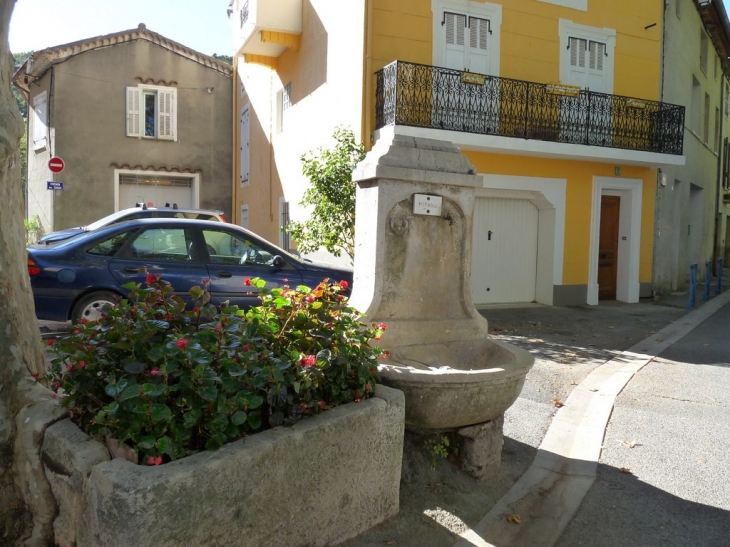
19, 59
332, 193
225, 58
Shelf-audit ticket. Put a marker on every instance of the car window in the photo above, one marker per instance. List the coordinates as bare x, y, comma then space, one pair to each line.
168, 244
229, 248
110, 246
199, 216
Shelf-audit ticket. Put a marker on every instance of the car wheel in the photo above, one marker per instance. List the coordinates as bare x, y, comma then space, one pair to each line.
90, 307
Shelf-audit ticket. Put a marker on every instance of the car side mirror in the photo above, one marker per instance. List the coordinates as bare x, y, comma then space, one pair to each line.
278, 262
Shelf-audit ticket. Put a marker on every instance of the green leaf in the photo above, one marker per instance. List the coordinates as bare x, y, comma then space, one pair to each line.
134, 367
255, 401
209, 393
239, 418
165, 446
154, 390
160, 412
145, 443
130, 392
254, 420
215, 442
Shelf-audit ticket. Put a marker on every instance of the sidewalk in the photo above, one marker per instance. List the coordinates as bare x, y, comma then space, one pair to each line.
442, 508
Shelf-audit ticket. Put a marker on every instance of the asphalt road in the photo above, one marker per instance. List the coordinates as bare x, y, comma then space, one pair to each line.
664, 474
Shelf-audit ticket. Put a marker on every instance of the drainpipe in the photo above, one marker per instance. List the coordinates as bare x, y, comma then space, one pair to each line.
716, 247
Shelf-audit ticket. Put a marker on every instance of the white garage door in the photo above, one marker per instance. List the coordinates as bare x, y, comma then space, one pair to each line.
504, 254
154, 189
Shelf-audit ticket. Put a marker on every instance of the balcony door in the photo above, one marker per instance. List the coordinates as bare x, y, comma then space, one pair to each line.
466, 41
586, 64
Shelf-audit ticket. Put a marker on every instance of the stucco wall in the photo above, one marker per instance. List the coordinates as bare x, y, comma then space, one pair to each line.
88, 115
686, 205
326, 76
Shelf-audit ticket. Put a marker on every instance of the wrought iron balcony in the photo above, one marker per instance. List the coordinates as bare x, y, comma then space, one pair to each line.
440, 98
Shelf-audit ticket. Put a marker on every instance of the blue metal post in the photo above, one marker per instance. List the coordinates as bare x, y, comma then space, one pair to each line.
692, 286
708, 280
718, 288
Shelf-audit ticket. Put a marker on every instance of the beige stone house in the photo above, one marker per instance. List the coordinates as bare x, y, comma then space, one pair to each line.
135, 117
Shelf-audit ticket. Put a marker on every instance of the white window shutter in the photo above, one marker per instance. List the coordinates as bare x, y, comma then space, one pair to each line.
454, 27
40, 121
245, 146
134, 113
166, 110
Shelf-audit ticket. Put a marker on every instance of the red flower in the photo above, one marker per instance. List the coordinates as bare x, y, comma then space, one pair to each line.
307, 361
69, 368
321, 403
247, 281
372, 370
195, 310
206, 280
154, 461
385, 355
357, 400
246, 347
169, 317
151, 279
368, 386
76, 331
344, 284
309, 298
35, 375
340, 297
81, 364
382, 326
49, 342
182, 343
84, 320
155, 371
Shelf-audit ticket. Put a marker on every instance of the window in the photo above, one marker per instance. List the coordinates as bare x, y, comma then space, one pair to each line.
152, 112
40, 121
717, 129
284, 238
706, 125
695, 113
466, 35
283, 102
164, 244
110, 247
244, 216
704, 50
231, 249
245, 147
586, 58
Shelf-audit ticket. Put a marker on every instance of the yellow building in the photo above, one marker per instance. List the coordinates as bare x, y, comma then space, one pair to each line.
553, 101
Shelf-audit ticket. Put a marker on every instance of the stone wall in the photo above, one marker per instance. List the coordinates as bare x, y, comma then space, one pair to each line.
320, 482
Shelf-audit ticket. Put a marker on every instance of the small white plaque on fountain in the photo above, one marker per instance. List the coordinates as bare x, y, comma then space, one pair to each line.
426, 205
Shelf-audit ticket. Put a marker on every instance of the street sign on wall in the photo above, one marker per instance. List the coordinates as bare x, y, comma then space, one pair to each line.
53, 185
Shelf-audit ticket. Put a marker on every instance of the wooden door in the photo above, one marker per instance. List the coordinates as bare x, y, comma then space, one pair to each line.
608, 247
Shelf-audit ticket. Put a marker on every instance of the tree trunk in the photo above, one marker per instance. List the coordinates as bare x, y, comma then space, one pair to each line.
27, 507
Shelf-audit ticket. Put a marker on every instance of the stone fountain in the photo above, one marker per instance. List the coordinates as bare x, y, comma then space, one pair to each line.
415, 202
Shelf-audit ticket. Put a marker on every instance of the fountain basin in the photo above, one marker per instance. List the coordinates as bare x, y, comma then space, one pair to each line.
458, 383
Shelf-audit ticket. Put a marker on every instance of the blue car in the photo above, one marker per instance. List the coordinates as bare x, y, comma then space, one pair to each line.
75, 278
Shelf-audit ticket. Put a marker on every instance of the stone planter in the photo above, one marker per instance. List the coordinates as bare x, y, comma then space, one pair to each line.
327, 479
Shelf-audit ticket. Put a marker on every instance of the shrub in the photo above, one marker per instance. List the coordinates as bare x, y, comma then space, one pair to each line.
170, 381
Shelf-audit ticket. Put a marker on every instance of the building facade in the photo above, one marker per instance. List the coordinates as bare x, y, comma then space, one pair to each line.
135, 117
555, 102
691, 217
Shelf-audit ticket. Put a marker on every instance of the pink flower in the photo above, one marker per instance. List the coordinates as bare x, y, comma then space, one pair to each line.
357, 400
246, 347
69, 368
154, 461
81, 364
155, 371
368, 386
309, 298
182, 343
307, 361
285, 280
206, 281
151, 279
76, 331
247, 281
321, 403
344, 284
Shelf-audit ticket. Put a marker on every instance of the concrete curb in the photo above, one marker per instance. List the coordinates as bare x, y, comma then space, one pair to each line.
548, 495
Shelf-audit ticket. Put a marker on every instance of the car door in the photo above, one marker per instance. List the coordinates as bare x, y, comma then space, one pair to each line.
234, 256
167, 250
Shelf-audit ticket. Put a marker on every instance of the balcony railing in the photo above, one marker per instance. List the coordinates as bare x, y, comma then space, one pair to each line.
440, 98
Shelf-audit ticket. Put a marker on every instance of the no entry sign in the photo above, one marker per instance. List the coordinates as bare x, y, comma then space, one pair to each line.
56, 165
